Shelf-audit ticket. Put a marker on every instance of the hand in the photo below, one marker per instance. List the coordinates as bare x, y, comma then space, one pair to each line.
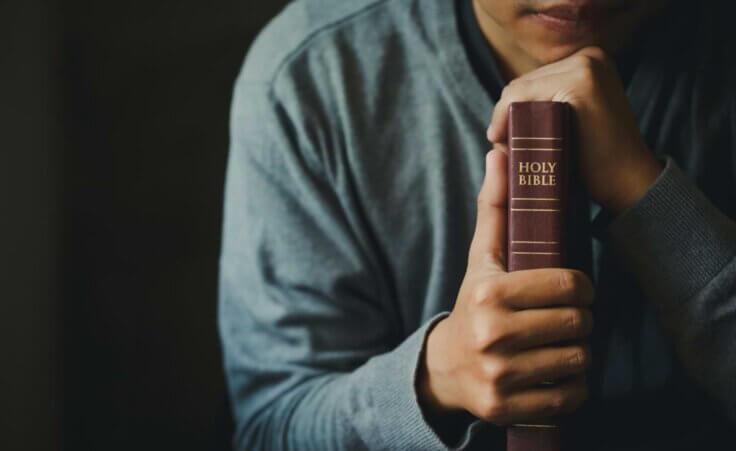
615, 163
508, 332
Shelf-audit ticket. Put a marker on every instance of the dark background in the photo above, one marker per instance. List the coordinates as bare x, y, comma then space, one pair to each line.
113, 145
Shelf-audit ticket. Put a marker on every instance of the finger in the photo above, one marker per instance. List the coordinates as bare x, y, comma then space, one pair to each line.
549, 71
558, 67
536, 85
531, 368
519, 90
533, 328
595, 53
489, 240
544, 287
569, 63
542, 403
572, 62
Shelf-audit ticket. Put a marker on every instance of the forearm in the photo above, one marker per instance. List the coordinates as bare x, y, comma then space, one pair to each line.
682, 250
373, 407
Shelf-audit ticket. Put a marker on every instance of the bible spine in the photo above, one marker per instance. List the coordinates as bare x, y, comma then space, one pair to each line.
538, 135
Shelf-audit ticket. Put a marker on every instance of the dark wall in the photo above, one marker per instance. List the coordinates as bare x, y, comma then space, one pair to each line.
30, 227
116, 147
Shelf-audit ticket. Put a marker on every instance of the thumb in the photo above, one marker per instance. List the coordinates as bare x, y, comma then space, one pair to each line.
489, 240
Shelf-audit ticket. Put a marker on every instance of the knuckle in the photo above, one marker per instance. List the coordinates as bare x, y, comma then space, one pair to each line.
493, 408
481, 293
575, 322
582, 61
498, 373
484, 335
489, 371
580, 322
566, 281
516, 85
573, 283
511, 89
587, 356
553, 405
479, 337
597, 53
497, 336
587, 70
488, 337
486, 292
557, 402
587, 77
578, 357
590, 62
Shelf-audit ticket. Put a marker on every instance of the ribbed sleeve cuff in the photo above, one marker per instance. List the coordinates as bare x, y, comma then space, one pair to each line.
674, 238
402, 422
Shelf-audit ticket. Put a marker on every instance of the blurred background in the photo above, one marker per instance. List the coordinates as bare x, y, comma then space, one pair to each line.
113, 145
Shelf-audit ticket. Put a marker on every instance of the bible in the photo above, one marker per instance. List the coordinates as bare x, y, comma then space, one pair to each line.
538, 178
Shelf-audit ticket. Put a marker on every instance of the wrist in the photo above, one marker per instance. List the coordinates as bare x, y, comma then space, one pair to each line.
429, 380
450, 424
633, 183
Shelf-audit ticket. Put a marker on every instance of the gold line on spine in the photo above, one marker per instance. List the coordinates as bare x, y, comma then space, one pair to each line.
535, 198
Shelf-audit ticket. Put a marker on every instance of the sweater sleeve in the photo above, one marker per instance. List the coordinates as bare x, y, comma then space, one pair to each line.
313, 352
683, 251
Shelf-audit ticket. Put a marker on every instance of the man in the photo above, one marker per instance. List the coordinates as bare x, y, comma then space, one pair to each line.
364, 302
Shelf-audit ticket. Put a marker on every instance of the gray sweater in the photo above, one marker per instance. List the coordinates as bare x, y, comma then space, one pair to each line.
357, 144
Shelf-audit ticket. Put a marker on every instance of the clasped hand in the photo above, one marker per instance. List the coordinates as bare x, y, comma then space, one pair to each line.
509, 332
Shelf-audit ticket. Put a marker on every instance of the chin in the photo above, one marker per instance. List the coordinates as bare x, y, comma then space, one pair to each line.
558, 31
546, 53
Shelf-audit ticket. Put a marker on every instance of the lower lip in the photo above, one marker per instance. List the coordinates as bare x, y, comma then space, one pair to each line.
564, 26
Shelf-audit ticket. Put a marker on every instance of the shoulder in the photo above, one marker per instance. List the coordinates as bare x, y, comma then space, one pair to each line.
308, 28
306, 61
318, 58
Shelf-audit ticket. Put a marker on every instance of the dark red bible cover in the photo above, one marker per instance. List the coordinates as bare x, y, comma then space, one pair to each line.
538, 142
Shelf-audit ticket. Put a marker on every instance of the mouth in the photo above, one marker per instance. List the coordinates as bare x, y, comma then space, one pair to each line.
567, 19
